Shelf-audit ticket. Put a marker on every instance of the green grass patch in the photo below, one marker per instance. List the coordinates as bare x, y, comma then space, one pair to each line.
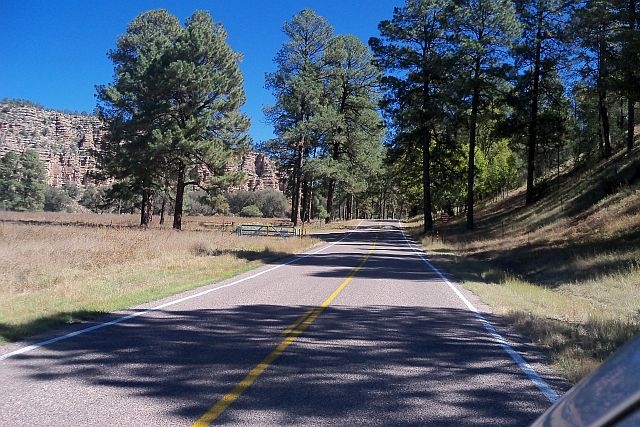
577, 324
59, 274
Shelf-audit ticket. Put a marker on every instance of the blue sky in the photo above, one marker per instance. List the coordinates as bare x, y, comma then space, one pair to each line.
54, 52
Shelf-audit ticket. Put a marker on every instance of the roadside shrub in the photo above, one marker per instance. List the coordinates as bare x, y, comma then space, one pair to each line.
270, 202
55, 200
93, 198
251, 211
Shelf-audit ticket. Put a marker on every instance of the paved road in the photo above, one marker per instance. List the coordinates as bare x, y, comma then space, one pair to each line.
360, 331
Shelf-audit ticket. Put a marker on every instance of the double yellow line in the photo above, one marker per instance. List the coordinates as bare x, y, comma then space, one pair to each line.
291, 334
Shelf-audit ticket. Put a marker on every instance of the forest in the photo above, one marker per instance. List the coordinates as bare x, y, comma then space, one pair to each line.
476, 98
451, 104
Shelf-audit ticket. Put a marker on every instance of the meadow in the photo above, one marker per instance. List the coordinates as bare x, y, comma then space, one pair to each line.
65, 268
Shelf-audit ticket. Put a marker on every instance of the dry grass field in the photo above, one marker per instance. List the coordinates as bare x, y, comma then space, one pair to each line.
68, 267
565, 272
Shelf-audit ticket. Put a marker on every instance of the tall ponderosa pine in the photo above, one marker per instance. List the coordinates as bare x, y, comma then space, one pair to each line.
485, 32
174, 107
353, 129
537, 55
626, 58
414, 52
594, 28
131, 107
297, 85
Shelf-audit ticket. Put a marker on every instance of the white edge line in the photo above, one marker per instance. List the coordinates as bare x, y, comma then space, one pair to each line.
44, 343
542, 385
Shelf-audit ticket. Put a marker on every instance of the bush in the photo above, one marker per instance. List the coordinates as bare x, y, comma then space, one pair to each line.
93, 198
270, 202
55, 200
251, 211
71, 189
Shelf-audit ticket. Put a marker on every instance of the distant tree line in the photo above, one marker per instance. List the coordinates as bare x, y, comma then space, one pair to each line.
453, 102
23, 188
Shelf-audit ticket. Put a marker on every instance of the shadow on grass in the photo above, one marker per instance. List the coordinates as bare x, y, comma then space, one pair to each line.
267, 255
577, 348
546, 263
11, 333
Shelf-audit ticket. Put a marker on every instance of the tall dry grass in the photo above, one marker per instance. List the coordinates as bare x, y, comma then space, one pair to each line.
51, 269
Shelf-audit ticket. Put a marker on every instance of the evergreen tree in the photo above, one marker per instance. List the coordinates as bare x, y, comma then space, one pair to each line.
538, 54
414, 51
297, 85
174, 107
486, 30
594, 28
352, 127
625, 59
131, 107
32, 176
10, 185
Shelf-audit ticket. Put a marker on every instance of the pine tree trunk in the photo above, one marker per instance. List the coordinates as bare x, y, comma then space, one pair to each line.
163, 208
631, 123
332, 185
145, 208
330, 194
471, 168
603, 110
426, 158
533, 121
631, 103
604, 120
305, 211
297, 185
177, 215
426, 180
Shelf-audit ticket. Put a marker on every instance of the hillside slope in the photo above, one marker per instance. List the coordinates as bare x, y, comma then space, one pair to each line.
565, 270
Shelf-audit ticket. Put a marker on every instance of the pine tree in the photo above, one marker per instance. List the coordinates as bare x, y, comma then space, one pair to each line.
352, 127
485, 32
10, 185
297, 85
32, 177
538, 54
594, 29
414, 51
174, 107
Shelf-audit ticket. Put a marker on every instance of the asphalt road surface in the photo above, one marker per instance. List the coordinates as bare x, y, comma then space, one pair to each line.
359, 331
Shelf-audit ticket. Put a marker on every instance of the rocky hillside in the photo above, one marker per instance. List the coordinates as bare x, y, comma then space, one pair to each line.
64, 142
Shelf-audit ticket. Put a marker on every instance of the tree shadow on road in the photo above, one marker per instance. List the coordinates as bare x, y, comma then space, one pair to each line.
375, 365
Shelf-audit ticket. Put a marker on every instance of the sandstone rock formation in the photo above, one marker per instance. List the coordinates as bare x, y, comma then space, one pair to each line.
64, 142
260, 171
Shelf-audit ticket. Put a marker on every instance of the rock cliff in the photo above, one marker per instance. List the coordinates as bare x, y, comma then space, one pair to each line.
64, 142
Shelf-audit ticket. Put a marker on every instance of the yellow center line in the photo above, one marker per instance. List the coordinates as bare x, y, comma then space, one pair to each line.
298, 321
292, 332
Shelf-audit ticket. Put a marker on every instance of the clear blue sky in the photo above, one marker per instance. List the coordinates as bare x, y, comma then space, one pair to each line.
54, 52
